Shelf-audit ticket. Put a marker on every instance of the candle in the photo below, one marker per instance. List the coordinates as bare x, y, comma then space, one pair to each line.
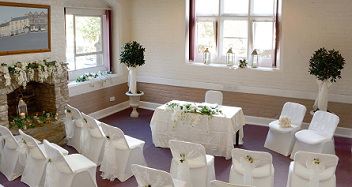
22, 115
24, 127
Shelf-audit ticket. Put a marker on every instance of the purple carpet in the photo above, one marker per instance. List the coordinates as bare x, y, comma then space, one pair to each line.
160, 158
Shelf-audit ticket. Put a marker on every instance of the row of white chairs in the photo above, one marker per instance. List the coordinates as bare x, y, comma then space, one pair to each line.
317, 138
190, 166
103, 144
40, 164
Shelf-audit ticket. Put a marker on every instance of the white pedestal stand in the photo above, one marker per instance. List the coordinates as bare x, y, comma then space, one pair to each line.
134, 103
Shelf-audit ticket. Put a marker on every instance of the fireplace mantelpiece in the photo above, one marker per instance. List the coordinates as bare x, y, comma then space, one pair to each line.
59, 97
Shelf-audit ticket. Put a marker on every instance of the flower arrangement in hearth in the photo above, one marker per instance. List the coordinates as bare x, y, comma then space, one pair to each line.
180, 111
23, 72
33, 120
99, 77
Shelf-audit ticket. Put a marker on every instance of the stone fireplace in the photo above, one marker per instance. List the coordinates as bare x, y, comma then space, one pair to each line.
47, 96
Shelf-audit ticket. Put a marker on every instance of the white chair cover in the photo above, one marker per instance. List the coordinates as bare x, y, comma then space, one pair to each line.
259, 173
191, 164
281, 140
213, 97
70, 170
69, 122
10, 165
319, 136
34, 170
120, 152
75, 141
146, 176
216, 183
94, 141
304, 172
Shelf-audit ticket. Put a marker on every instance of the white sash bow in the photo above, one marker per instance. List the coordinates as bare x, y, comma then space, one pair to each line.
321, 102
23, 150
314, 169
69, 125
183, 172
248, 167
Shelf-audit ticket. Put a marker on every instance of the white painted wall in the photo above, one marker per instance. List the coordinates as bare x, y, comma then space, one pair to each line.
159, 25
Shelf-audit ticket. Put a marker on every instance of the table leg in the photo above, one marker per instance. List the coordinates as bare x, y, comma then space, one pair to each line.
237, 137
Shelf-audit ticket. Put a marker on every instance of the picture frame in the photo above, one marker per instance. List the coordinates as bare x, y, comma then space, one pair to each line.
24, 28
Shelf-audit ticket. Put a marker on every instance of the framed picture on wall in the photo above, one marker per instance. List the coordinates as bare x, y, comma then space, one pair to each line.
24, 28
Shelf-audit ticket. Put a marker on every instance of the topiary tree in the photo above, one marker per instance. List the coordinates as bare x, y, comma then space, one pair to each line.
326, 66
132, 55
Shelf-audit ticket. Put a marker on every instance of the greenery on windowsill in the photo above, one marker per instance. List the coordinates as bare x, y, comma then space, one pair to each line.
99, 77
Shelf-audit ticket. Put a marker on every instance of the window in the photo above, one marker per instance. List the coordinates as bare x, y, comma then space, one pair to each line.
86, 46
243, 25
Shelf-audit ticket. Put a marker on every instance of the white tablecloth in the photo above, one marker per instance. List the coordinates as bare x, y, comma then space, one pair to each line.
218, 141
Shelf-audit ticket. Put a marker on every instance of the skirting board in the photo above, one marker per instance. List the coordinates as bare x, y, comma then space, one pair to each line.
110, 110
340, 131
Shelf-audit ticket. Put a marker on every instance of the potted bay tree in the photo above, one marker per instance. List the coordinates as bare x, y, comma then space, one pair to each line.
132, 55
326, 66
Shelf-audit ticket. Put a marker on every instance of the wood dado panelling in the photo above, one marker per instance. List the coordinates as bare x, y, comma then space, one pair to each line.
100, 99
252, 104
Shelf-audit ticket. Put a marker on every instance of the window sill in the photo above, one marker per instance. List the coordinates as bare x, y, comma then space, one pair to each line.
78, 88
235, 67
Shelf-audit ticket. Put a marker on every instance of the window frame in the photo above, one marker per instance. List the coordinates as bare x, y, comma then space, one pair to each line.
73, 74
250, 17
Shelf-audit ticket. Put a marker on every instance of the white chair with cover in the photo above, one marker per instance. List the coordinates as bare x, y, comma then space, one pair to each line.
216, 183
313, 170
146, 176
9, 164
319, 136
213, 97
120, 152
79, 132
251, 168
191, 164
281, 139
70, 170
95, 140
34, 170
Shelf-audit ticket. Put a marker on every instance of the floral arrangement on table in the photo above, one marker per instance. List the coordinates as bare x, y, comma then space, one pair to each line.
24, 71
33, 120
285, 121
179, 113
99, 77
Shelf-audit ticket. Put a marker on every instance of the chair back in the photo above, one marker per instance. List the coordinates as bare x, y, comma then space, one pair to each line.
10, 141
33, 146
216, 183
93, 127
303, 161
324, 123
213, 97
295, 111
193, 153
264, 158
146, 176
56, 158
76, 115
115, 135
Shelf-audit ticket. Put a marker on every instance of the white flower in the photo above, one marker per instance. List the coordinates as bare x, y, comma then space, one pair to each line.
4, 69
285, 121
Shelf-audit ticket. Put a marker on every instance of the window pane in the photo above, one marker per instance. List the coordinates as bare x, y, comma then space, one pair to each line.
263, 7
207, 7
239, 46
89, 61
70, 42
88, 34
262, 41
205, 36
235, 28
236, 6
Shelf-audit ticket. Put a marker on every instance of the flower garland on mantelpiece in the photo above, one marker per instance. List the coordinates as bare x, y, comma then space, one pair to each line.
24, 71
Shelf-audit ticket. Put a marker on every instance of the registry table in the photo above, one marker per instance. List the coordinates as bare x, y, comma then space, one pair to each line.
216, 134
